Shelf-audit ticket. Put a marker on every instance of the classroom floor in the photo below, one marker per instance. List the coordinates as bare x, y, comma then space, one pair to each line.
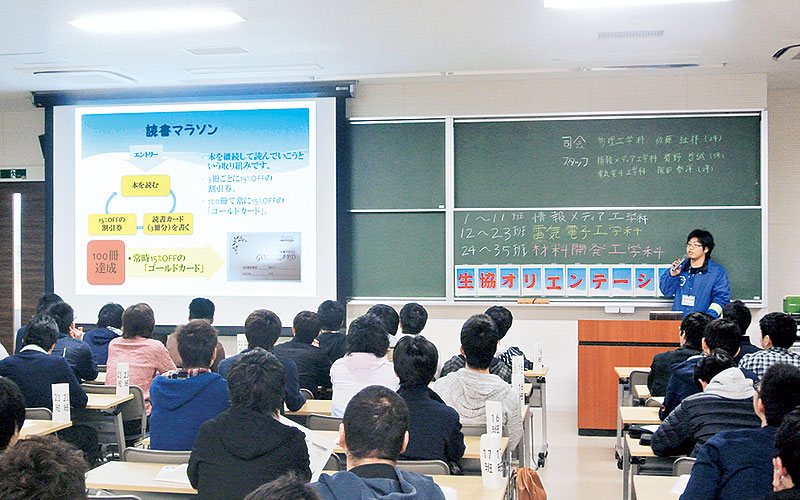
578, 467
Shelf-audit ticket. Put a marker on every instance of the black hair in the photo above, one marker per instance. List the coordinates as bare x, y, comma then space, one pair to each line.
787, 441
479, 340
367, 334
387, 315
110, 315
306, 326
201, 308
705, 239
413, 318
722, 334
262, 329
692, 327
780, 327
286, 487
256, 382
502, 318
415, 360
41, 330
138, 320
197, 341
375, 424
331, 315
63, 314
779, 391
12, 410
45, 301
44, 468
709, 366
739, 313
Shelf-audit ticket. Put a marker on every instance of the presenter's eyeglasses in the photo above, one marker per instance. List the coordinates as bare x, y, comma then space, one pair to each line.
694, 245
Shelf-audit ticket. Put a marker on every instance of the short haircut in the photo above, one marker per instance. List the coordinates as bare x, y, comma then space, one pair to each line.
331, 315
256, 382
502, 319
779, 391
12, 410
709, 366
692, 327
262, 329
197, 341
739, 313
375, 424
306, 326
63, 314
387, 315
413, 318
705, 239
201, 308
45, 301
41, 330
780, 327
110, 315
286, 487
415, 360
722, 334
138, 320
479, 340
44, 468
787, 441
367, 334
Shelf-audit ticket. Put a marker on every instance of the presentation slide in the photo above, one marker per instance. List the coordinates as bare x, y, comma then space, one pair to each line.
160, 203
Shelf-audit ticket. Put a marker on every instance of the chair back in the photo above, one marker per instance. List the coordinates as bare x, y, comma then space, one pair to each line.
683, 466
478, 429
101, 368
428, 467
334, 463
38, 414
323, 422
638, 377
134, 410
307, 393
155, 456
99, 389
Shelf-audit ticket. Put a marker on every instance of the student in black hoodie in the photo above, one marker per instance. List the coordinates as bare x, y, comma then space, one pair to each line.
245, 446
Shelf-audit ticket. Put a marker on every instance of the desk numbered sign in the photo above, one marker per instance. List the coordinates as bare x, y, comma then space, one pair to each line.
491, 461
123, 379
61, 403
494, 417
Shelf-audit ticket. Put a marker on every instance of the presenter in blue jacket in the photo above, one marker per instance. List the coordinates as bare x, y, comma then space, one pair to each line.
698, 283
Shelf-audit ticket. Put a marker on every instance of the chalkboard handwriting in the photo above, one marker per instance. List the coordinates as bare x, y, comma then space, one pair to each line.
545, 253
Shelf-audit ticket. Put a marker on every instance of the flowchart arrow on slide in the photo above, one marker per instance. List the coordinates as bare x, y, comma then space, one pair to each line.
173, 262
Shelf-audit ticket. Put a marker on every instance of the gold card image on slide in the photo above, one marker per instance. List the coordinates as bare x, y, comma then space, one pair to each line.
264, 256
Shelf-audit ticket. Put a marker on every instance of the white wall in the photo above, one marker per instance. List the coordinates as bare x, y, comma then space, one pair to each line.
20, 127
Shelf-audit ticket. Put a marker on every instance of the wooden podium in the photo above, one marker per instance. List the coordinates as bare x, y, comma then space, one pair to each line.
602, 345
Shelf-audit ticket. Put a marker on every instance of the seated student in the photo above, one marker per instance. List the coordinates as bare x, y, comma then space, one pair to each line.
44, 303
373, 434
503, 318
286, 487
720, 333
389, 318
262, 329
778, 334
786, 465
691, 337
739, 313
69, 344
413, 318
184, 398
468, 389
42, 468
331, 335
364, 364
199, 308
738, 464
313, 367
245, 446
433, 427
146, 357
12, 412
726, 403
497, 366
109, 324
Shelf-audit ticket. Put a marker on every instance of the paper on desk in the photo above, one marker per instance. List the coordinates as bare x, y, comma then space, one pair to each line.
174, 474
319, 447
649, 427
659, 399
449, 493
680, 484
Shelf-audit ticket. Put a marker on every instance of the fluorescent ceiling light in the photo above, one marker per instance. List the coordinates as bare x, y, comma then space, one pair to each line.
602, 4
155, 21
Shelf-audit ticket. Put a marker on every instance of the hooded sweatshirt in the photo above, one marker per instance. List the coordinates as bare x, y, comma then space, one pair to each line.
239, 450
356, 371
181, 405
348, 486
467, 392
98, 340
726, 404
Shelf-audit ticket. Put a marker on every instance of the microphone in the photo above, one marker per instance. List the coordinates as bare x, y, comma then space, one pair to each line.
678, 264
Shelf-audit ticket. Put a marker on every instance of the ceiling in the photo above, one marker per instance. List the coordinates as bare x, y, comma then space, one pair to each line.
370, 40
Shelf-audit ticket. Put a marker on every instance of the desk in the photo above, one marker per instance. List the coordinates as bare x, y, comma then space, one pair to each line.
654, 487
634, 415
641, 391
313, 406
41, 428
100, 380
538, 379
623, 374
105, 402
